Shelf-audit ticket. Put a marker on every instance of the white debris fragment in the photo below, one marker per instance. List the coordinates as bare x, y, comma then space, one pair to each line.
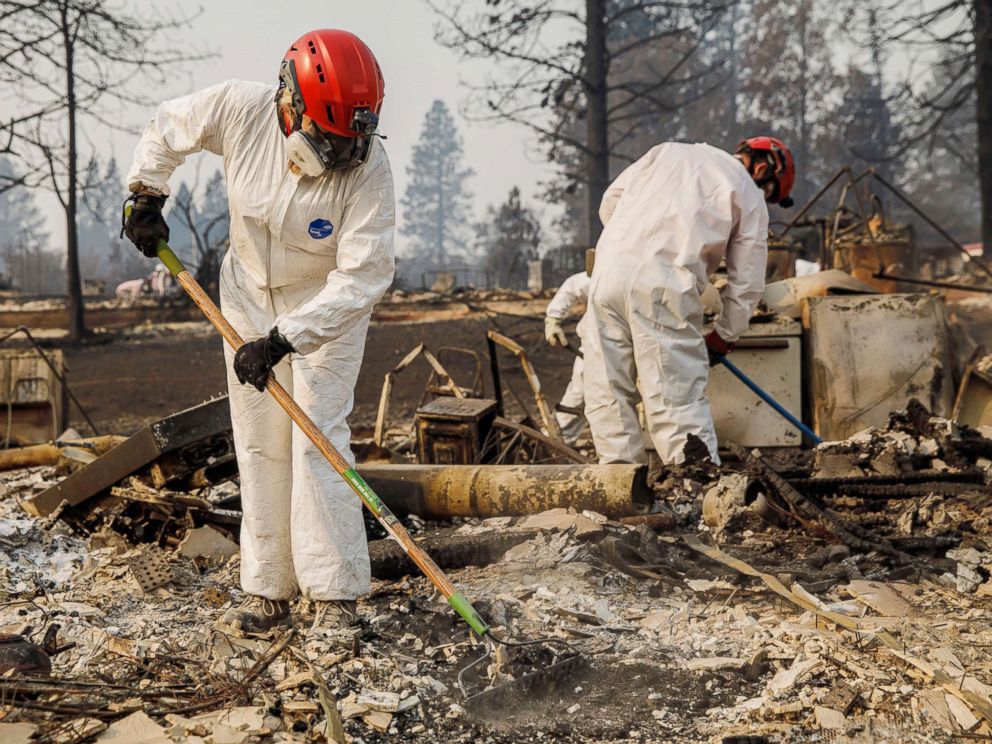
828, 718
136, 728
961, 712
714, 663
785, 679
209, 544
17, 733
725, 502
380, 700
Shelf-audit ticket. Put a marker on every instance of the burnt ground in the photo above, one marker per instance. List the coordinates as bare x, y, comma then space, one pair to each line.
694, 655
127, 381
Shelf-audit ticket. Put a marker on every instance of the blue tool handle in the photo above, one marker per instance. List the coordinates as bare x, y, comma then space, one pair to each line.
768, 399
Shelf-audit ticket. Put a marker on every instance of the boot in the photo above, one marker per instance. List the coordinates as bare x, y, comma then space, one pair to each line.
334, 615
256, 615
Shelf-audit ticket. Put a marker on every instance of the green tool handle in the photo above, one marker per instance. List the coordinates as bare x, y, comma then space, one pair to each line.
371, 500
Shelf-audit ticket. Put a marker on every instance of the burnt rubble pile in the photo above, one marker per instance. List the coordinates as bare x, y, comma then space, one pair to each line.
850, 596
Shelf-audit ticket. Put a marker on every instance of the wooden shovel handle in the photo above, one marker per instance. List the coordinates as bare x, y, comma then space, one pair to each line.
371, 500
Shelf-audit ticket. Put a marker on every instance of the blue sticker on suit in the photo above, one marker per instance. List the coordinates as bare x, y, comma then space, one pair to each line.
320, 229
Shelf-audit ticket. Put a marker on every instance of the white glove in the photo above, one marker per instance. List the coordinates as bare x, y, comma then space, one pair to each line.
554, 333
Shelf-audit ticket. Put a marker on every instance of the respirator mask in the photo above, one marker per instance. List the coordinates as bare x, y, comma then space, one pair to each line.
312, 149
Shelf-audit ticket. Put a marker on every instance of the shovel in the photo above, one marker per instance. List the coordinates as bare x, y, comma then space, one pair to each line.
563, 662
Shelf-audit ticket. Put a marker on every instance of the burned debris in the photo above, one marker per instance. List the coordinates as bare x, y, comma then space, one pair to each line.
792, 591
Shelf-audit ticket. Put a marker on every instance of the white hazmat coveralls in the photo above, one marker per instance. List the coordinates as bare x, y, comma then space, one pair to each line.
669, 219
573, 290
309, 256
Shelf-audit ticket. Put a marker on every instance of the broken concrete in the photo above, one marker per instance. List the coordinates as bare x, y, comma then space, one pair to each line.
726, 502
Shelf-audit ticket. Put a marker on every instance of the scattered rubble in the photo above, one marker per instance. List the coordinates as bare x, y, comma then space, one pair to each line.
783, 595
782, 632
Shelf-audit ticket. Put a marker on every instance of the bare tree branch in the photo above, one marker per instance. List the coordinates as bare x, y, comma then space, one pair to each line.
557, 91
60, 60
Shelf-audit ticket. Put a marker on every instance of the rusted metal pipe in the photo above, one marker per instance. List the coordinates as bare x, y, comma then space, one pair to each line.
443, 491
49, 454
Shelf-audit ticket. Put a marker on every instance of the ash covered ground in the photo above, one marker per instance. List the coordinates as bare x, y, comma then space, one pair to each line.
817, 611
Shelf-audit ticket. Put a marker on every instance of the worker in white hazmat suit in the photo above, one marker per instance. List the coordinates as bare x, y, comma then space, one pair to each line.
668, 220
573, 290
312, 216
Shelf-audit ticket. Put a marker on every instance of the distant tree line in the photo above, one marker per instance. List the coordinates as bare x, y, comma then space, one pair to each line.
905, 87
198, 223
66, 65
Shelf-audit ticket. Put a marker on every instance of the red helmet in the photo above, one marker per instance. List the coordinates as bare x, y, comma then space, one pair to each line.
784, 172
335, 80
333, 75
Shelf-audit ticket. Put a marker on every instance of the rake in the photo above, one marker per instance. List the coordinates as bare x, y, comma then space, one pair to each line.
563, 663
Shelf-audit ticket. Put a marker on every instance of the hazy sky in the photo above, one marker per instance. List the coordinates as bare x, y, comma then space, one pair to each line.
251, 37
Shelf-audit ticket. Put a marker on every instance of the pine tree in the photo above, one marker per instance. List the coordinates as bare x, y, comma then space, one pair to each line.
180, 236
437, 203
869, 134
941, 173
26, 264
199, 223
508, 240
99, 226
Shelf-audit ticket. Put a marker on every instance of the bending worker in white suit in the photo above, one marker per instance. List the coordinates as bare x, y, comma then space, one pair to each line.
573, 290
312, 215
669, 220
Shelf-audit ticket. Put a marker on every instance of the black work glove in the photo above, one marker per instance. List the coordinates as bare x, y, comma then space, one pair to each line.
254, 361
145, 226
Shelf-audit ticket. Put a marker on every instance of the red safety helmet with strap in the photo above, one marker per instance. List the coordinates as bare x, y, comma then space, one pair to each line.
334, 79
783, 171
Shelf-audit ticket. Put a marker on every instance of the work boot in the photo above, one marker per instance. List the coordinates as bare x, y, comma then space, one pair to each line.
334, 615
256, 615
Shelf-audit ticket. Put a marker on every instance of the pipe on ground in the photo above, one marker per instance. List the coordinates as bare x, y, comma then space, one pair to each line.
444, 491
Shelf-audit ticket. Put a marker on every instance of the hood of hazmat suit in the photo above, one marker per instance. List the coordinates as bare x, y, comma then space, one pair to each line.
309, 255
669, 220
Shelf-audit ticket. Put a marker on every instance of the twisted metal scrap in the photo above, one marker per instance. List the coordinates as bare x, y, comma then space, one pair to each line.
854, 536
934, 480
65, 699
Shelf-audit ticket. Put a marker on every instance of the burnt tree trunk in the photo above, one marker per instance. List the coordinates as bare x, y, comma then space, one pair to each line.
983, 106
597, 123
74, 297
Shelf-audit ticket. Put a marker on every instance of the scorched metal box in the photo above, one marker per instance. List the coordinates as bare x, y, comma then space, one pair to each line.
452, 431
